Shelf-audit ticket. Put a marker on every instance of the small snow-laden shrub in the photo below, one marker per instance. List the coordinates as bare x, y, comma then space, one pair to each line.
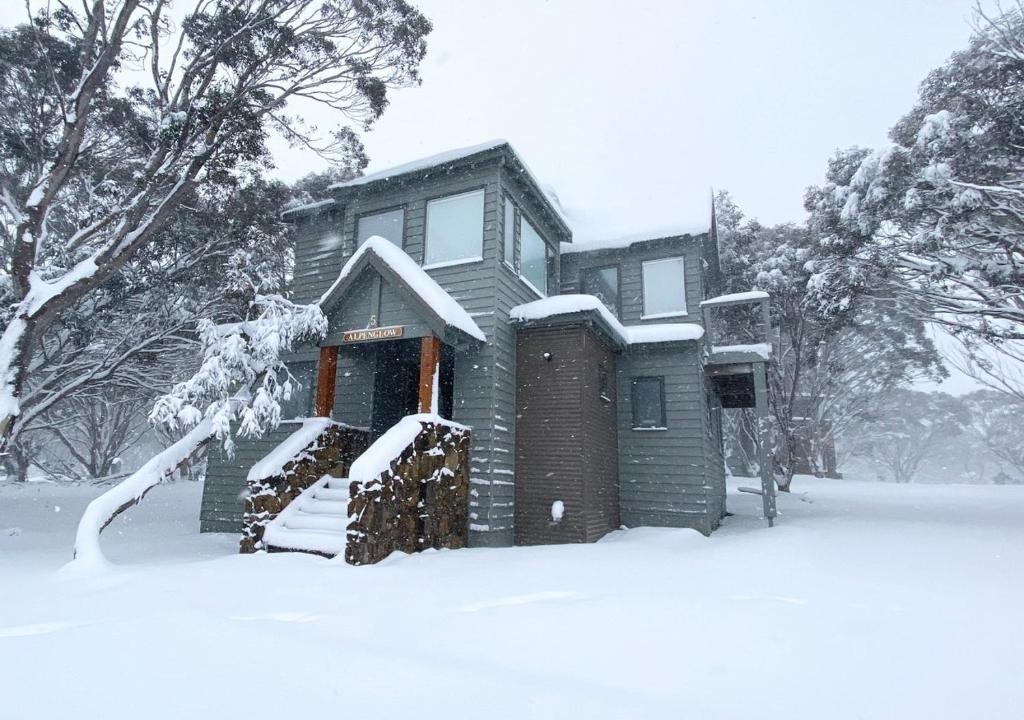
240, 376
237, 381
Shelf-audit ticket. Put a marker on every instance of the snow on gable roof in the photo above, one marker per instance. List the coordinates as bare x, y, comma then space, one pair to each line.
452, 156
620, 242
628, 335
417, 280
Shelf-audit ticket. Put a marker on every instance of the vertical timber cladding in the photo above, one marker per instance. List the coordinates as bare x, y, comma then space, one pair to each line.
566, 447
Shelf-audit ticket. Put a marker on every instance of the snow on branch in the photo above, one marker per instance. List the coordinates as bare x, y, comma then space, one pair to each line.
239, 381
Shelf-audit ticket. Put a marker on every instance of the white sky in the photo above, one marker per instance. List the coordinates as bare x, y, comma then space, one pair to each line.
634, 111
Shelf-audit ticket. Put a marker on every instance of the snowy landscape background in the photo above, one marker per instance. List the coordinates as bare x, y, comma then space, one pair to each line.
864, 162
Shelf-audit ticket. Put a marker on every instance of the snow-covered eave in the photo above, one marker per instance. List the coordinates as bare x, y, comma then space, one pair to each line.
308, 209
447, 310
569, 308
736, 298
461, 156
625, 242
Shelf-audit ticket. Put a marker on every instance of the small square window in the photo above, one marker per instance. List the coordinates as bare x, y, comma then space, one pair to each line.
648, 397
455, 229
387, 224
664, 288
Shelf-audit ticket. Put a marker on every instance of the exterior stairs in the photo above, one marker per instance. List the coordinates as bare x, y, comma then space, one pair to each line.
316, 521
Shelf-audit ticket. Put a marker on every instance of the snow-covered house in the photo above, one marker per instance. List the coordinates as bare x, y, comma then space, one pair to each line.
587, 372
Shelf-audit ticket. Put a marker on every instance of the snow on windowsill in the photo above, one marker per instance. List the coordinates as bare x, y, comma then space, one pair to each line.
629, 335
453, 263
650, 429
662, 316
749, 296
419, 282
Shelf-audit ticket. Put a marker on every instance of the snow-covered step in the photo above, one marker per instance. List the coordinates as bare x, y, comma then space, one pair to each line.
322, 507
336, 494
311, 521
315, 541
315, 521
337, 484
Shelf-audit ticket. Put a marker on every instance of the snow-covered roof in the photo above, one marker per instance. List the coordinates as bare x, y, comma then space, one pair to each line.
628, 335
415, 278
619, 242
734, 298
422, 164
449, 156
273, 462
309, 206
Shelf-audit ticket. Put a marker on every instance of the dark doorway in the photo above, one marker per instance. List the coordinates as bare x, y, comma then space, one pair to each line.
395, 384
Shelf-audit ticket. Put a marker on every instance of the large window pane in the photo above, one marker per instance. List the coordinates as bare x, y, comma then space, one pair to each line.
510, 233
648, 402
664, 288
602, 283
533, 256
387, 224
301, 402
455, 228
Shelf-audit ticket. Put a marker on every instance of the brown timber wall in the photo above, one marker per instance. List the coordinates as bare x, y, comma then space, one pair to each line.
566, 445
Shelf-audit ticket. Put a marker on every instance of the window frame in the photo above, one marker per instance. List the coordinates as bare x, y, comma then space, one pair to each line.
308, 391
633, 382
510, 242
644, 315
617, 267
381, 211
523, 217
479, 189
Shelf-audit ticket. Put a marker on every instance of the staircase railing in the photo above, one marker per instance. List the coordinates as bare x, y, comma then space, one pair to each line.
320, 447
410, 490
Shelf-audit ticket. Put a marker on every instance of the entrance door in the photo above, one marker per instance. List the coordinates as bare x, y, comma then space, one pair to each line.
396, 384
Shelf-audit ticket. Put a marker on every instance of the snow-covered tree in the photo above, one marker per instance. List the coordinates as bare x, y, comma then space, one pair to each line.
237, 388
909, 427
999, 422
112, 161
831, 367
938, 216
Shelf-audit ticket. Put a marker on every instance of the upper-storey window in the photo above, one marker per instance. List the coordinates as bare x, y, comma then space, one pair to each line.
534, 257
510, 234
602, 283
664, 288
387, 224
455, 229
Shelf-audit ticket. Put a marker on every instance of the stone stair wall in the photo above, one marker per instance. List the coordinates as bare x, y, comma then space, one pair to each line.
331, 453
421, 501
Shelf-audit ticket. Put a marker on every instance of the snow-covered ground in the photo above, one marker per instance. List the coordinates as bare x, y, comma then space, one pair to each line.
874, 601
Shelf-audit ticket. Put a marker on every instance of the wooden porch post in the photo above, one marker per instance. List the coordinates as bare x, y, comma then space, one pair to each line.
327, 372
764, 432
430, 354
